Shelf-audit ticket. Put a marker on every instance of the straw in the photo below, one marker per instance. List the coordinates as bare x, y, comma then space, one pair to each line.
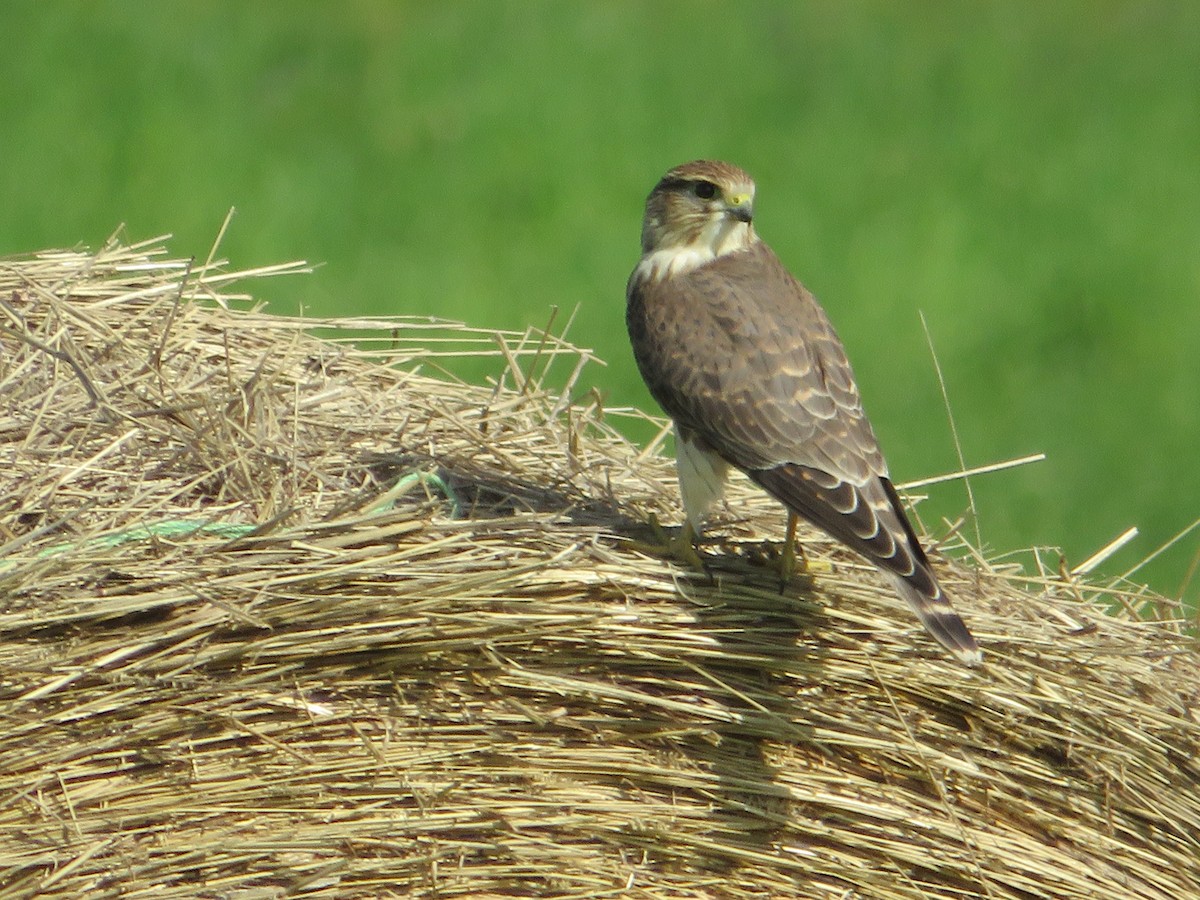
289, 615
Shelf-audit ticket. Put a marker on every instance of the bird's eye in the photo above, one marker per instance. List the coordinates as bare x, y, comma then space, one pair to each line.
705, 190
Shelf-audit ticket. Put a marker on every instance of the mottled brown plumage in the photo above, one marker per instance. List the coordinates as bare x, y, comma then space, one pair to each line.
744, 360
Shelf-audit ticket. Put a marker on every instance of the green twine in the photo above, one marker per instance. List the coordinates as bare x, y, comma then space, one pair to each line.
230, 531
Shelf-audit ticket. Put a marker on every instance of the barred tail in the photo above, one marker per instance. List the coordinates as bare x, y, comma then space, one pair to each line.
941, 621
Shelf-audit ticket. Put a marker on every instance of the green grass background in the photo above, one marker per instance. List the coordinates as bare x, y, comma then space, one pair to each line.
1027, 174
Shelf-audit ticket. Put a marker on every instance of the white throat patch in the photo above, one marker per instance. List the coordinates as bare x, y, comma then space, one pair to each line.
721, 236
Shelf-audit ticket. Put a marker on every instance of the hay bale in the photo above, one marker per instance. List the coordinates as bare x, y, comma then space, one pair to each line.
285, 616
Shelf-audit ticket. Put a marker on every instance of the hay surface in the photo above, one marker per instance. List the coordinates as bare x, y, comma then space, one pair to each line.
400, 686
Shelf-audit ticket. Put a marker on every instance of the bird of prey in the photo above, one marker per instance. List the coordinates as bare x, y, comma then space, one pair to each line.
745, 362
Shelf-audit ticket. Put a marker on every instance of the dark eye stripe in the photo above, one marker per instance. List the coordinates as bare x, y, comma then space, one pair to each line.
673, 184
699, 187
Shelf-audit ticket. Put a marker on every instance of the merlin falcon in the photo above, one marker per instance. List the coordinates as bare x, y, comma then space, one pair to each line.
745, 362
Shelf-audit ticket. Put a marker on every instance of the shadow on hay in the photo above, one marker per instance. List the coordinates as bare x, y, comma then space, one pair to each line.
760, 636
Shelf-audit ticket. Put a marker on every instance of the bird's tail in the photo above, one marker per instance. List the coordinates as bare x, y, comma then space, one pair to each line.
941, 621
869, 518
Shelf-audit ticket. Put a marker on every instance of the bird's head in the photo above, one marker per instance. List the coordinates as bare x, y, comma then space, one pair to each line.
702, 209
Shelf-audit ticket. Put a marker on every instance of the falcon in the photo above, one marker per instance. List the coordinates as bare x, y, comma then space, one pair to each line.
745, 362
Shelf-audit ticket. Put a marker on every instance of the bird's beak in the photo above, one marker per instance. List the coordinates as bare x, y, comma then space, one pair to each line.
741, 207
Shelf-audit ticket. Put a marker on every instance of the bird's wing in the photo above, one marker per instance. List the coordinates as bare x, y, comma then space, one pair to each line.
746, 362
739, 353
743, 358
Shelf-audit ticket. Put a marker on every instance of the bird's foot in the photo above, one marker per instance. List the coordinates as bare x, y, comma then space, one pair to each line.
790, 555
680, 547
791, 558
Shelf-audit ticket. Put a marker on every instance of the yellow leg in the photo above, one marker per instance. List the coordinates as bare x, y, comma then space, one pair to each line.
787, 559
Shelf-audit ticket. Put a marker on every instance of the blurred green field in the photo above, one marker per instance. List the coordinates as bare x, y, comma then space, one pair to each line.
1026, 174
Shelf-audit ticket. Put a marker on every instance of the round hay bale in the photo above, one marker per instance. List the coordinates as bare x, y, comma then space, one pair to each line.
294, 615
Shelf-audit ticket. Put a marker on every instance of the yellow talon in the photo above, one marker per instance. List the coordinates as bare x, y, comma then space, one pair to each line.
681, 547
